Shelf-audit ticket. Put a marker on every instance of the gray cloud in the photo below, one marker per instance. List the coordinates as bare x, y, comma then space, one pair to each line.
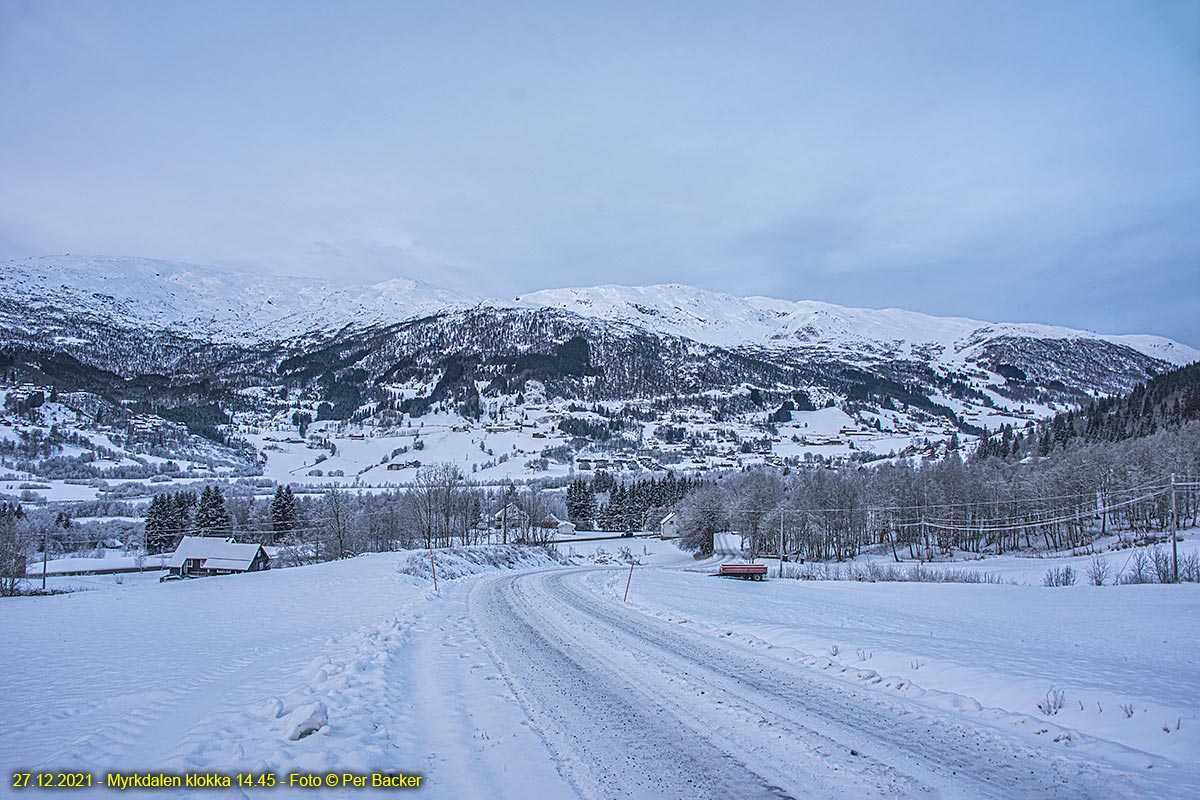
1000, 160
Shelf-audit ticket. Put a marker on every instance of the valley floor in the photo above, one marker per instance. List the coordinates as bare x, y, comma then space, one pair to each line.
540, 682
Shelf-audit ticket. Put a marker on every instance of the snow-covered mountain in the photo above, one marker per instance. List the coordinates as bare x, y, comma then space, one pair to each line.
216, 303
727, 321
224, 352
248, 306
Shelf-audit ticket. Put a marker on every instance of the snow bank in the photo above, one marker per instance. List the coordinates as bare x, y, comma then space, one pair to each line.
462, 561
307, 719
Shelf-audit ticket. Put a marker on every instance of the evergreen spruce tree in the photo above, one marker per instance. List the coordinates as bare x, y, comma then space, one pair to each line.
578, 509
283, 511
159, 519
616, 508
211, 517
590, 507
178, 509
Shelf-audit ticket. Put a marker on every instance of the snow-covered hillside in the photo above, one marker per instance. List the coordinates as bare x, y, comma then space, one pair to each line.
728, 321
240, 305
210, 302
141, 359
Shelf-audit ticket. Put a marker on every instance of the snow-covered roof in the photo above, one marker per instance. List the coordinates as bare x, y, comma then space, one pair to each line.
512, 511
217, 553
667, 518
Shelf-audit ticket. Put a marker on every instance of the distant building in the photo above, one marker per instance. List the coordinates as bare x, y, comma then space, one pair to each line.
201, 556
668, 526
511, 517
561, 527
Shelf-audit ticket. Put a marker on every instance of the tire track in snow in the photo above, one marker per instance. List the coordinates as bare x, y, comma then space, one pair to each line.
605, 744
474, 736
791, 725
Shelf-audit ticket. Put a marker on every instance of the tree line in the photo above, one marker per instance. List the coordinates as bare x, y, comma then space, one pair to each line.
602, 503
986, 504
440, 509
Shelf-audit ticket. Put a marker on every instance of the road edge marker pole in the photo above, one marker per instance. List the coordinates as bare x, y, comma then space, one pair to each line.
432, 564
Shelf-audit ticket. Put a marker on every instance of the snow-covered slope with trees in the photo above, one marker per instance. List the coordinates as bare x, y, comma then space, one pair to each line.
145, 354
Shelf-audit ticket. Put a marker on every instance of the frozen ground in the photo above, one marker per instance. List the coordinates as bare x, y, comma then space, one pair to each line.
524, 679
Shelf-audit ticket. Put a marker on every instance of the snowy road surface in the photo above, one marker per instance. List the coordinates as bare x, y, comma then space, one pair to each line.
691, 715
544, 684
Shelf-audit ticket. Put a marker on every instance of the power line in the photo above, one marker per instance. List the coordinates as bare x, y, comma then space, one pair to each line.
1082, 496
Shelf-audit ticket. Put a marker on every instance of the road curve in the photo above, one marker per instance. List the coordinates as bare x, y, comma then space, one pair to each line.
635, 707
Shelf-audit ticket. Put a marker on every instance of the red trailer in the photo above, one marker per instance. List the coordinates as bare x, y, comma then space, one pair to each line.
747, 572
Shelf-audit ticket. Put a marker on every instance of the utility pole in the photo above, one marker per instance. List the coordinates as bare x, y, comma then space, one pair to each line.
781, 542
45, 543
1174, 533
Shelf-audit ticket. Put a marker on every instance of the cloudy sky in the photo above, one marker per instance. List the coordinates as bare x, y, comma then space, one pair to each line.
1008, 161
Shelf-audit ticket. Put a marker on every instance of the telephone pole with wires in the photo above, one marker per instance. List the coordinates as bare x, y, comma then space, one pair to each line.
1174, 534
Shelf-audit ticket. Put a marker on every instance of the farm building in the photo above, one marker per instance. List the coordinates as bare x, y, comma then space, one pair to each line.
510, 517
200, 556
561, 527
668, 526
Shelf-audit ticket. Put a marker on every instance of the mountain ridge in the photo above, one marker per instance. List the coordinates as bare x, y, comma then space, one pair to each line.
139, 349
218, 303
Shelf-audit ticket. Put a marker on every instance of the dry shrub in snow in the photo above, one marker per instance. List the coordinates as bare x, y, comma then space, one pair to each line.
1189, 568
1060, 576
1161, 561
1099, 571
889, 573
1140, 570
1053, 702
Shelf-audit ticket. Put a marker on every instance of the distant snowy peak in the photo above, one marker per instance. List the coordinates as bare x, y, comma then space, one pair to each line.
728, 321
247, 306
224, 304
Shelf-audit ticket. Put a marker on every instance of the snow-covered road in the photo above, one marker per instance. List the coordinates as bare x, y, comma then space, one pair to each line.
543, 683
633, 706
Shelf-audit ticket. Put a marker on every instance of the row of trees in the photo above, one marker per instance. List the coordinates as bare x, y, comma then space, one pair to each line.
611, 506
173, 515
24, 532
441, 509
1083, 491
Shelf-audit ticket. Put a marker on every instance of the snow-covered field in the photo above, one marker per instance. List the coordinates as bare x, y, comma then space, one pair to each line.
525, 678
1026, 567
